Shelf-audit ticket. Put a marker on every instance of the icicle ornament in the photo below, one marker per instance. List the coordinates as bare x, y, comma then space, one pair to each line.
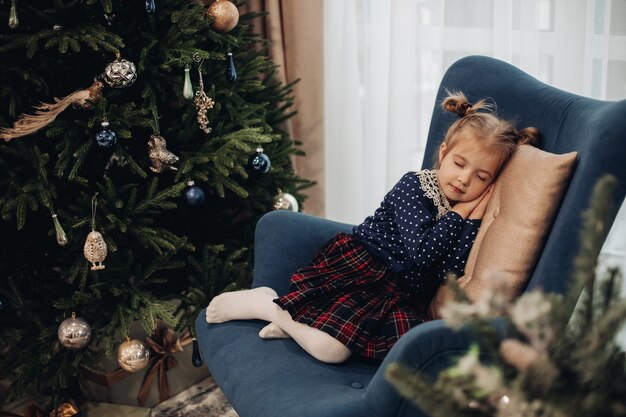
13, 20
58, 229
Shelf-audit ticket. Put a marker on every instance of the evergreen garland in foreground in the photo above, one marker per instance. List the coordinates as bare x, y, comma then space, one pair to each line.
551, 363
166, 257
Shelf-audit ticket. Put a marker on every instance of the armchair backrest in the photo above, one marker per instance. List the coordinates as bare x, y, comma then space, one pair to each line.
568, 122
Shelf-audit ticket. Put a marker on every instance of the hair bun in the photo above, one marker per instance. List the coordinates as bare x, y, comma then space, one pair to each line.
528, 136
456, 102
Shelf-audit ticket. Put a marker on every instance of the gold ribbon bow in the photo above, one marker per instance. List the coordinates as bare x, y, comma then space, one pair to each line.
164, 344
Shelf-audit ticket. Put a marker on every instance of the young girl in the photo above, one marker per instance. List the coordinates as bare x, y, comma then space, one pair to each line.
364, 290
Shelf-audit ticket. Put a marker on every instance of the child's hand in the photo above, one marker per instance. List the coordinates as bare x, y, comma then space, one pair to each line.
479, 211
474, 209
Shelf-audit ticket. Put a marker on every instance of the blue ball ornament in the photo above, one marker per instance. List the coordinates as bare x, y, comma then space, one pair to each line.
259, 162
3, 303
106, 138
194, 194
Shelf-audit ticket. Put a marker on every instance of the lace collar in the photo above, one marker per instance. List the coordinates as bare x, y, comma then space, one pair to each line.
430, 185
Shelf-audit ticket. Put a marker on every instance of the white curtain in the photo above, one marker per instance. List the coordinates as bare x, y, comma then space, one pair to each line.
384, 60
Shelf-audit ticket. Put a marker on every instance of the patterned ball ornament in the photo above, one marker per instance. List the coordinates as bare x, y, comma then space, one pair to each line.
225, 15
74, 333
120, 73
194, 194
106, 138
259, 162
133, 355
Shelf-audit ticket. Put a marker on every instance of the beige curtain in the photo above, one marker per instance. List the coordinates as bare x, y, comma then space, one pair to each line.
295, 29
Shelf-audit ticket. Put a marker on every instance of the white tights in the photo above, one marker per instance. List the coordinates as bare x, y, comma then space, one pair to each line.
258, 304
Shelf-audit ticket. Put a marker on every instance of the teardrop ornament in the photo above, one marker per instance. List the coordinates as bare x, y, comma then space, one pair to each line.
231, 71
13, 20
187, 86
58, 229
196, 357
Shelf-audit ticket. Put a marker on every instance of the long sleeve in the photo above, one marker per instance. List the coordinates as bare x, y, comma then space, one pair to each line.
453, 261
405, 231
417, 237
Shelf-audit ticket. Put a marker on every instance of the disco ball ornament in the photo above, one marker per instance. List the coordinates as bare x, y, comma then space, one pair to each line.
225, 15
194, 194
259, 162
133, 355
120, 73
285, 201
106, 138
74, 333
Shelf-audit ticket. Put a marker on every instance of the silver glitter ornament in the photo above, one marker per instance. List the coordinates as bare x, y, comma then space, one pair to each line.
133, 355
120, 73
74, 333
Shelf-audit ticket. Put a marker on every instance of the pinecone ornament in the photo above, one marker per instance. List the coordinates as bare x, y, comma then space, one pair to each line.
160, 157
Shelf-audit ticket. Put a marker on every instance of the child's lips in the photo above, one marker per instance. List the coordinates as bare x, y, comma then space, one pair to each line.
456, 189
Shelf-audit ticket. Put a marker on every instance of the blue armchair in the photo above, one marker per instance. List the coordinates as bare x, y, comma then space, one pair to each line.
276, 378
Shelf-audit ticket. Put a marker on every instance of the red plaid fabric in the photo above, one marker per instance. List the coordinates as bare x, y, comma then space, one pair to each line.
350, 294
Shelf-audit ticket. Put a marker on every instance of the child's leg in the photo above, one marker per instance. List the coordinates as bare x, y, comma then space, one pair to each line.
256, 303
272, 331
317, 343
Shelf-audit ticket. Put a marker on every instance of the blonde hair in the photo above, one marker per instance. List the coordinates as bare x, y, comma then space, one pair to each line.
498, 134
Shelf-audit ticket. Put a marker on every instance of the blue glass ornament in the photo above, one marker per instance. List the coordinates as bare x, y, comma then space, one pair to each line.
231, 71
194, 194
106, 138
259, 162
150, 6
196, 357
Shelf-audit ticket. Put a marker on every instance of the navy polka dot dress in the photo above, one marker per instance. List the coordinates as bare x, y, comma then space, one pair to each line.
368, 288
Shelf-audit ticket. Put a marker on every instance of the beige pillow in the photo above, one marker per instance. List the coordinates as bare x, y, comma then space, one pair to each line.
525, 199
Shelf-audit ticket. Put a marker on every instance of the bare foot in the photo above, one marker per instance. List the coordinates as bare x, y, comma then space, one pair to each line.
272, 331
256, 303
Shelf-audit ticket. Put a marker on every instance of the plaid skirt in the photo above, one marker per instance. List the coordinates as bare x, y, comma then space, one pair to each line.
352, 295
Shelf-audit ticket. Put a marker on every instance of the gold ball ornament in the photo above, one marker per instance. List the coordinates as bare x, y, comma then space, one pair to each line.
133, 355
95, 250
74, 333
225, 15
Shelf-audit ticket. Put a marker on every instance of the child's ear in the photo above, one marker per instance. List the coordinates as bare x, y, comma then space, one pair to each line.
442, 151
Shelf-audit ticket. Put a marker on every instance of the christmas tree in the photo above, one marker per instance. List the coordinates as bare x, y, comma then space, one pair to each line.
111, 109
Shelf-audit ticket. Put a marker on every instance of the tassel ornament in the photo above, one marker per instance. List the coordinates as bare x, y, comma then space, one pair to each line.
46, 113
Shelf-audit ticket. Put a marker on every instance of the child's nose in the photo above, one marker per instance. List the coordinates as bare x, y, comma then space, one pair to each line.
464, 178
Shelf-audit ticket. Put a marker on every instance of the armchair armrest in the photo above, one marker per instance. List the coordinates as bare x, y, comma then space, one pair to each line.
285, 241
429, 349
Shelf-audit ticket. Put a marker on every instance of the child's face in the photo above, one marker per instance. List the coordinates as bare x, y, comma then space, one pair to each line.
467, 168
